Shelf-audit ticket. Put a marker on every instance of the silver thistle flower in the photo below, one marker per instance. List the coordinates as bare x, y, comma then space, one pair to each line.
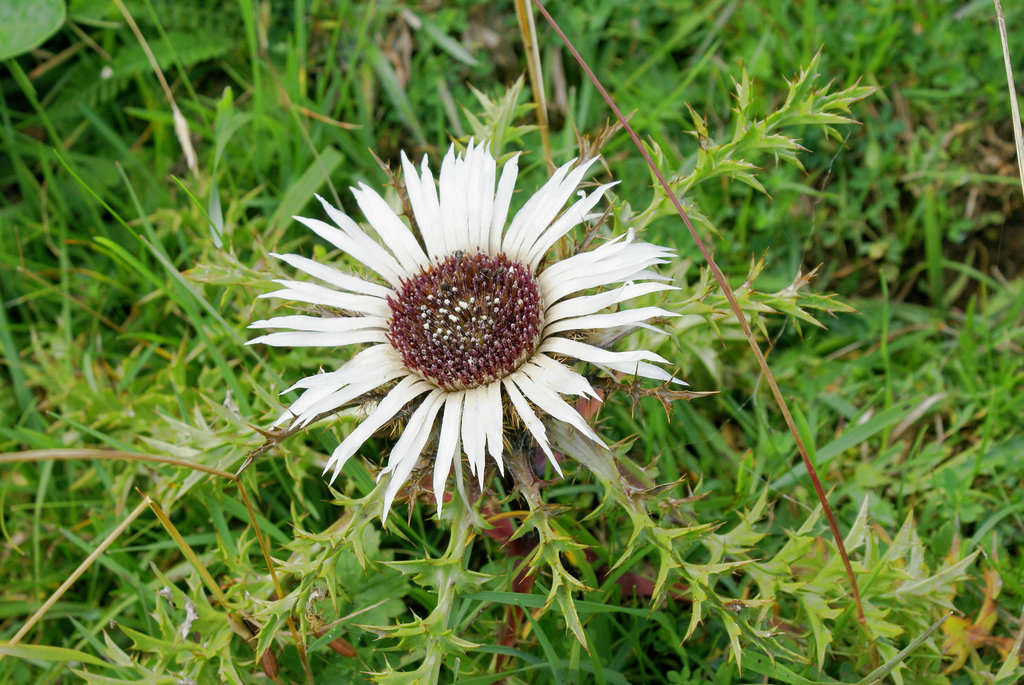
466, 316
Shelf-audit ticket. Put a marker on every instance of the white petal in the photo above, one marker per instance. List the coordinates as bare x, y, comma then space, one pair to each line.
474, 430
559, 376
590, 353
396, 236
480, 169
316, 402
308, 398
447, 444
423, 198
493, 423
318, 294
530, 420
452, 186
399, 396
529, 224
420, 418
430, 193
374, 359
321, 324
332, 276
523, 224
626, 317
306, 339
548, 400
342, 396
630, 362
357, 244
409, 447
570, 218
627, 262
624, 261
502, 200
363, 241
591, 304
622, 247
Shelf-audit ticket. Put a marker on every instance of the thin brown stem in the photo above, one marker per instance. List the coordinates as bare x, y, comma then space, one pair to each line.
731, 297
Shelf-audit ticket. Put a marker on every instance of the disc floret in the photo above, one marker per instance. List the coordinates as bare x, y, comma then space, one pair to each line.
467, 320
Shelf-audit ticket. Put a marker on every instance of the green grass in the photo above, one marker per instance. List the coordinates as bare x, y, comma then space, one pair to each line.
126, 283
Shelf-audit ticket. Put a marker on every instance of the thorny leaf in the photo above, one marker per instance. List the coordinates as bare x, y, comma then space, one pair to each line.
495, 123
663, 393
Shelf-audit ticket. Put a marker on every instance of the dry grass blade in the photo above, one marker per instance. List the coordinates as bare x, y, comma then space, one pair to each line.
82, 568
528, 30
181, 130
734, 305
1014, 109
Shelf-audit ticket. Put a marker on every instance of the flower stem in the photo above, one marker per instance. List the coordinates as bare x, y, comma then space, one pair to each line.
450, 570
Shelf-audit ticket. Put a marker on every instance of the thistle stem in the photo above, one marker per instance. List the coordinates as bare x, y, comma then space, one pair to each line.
450, 568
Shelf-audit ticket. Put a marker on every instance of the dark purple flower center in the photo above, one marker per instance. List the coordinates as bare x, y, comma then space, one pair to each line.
467, 321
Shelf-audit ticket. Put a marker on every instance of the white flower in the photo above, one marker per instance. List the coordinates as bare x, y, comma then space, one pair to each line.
465, 317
